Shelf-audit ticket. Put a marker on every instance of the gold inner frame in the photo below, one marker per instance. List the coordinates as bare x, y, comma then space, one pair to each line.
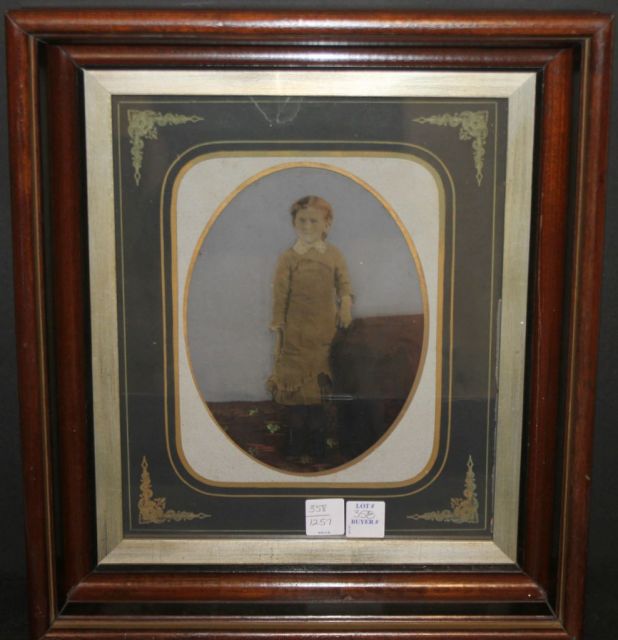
426, 312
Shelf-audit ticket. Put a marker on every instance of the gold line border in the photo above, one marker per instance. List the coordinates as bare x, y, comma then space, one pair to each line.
491, 371
568, 439
452, 277
39, 289
323, 623
124, 317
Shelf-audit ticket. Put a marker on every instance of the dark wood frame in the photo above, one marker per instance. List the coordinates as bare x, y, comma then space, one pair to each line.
70, 597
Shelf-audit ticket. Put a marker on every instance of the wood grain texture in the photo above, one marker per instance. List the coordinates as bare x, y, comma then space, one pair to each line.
547, 268
69, 310
302, 630
307, 587
586, 264
550, 43
318, 26
127, 56
30, 323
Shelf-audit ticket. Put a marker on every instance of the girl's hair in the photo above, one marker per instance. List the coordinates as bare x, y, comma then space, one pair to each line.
312, 201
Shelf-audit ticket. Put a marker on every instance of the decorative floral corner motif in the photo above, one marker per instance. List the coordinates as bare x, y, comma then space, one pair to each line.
463, 510
143, 126
473, 125
153, 510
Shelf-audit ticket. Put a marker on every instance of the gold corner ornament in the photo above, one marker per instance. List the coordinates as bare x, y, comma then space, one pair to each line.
473, 125
463, 510
153, 510
143, 125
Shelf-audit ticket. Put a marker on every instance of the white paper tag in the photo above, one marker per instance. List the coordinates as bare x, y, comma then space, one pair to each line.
324, 517
365, 519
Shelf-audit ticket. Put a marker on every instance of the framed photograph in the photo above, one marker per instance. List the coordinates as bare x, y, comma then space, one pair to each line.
308, 308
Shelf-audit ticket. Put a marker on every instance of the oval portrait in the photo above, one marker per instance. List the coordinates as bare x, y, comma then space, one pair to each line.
305, 315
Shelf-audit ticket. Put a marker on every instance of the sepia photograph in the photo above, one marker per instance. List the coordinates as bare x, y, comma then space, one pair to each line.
305, 318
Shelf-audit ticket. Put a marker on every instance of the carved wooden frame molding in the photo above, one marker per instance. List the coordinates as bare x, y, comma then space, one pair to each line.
70, 597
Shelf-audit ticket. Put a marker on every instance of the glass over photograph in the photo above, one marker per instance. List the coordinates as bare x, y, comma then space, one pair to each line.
304, 316
309, 295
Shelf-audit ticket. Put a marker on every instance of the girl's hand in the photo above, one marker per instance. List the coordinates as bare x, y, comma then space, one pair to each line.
345, 312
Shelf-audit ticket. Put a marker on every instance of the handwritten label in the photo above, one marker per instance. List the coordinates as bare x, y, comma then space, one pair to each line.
365, 519
324, 517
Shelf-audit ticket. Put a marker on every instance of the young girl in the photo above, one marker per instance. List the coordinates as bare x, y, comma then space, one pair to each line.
311, 298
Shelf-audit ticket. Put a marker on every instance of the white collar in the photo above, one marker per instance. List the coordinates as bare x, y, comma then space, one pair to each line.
302, 247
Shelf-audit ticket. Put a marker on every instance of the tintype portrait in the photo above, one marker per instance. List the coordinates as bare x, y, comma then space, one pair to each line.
305, 317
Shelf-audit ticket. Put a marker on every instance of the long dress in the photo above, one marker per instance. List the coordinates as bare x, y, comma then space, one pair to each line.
307, 288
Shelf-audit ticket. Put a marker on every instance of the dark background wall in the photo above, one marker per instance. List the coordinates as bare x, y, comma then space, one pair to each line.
601, 592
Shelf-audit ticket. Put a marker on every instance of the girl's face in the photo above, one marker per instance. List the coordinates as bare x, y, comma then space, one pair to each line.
311, 224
